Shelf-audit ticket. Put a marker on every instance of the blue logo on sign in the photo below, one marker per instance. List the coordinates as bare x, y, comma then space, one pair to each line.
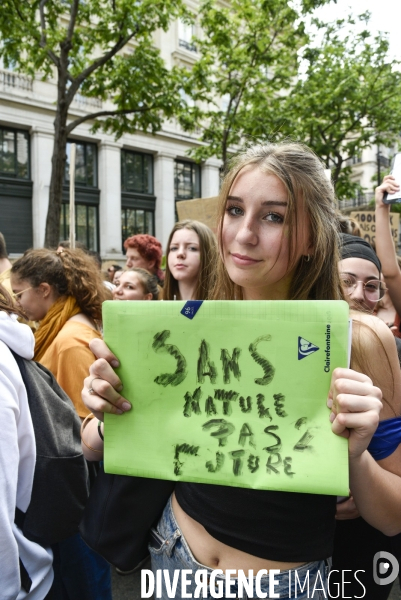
191, 307
305, 348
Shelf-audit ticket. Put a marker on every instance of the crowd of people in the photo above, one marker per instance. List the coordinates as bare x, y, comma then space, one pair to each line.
279, 237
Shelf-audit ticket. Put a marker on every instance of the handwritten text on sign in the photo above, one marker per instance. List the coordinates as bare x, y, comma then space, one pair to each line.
233, 401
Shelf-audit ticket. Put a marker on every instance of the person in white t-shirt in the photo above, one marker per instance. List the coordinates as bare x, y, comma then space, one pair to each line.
17, 466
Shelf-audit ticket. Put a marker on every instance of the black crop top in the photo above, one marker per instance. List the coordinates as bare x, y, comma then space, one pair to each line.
282, 526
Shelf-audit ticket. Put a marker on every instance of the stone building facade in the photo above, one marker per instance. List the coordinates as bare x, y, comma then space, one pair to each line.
122, 187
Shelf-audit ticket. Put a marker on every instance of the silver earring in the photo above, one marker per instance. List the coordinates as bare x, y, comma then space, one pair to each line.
307, 258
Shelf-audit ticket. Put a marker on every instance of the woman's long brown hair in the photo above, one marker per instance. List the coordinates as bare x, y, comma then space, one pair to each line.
208, 258
303, 176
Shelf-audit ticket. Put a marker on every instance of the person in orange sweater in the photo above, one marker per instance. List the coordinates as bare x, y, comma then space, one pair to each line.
64, 292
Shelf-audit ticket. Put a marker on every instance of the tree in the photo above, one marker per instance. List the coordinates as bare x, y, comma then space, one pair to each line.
248, 55
99, 48
347, 99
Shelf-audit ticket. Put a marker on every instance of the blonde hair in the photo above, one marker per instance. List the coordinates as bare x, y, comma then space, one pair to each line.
208, 257
7, 304
303, 176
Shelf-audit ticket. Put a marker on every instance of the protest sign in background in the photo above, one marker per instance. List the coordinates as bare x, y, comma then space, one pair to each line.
367, 223
201, 209
230, 393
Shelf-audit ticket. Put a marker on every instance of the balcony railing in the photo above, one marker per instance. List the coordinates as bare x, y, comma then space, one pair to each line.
187, 45
9, 79
87, 103
359, 200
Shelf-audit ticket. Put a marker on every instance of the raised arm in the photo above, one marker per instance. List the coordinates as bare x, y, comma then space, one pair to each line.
384, 242
375, 486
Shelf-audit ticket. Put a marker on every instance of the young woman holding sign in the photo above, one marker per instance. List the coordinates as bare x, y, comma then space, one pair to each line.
278, 241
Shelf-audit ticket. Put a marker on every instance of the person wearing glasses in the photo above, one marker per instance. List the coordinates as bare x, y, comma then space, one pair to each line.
356, 542
360, 270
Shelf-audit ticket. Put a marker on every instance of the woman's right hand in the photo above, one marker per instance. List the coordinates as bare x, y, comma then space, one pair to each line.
390, 186
105, 385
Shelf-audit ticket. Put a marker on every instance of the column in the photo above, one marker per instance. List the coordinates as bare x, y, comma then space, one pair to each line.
109, 170
164, 192
210, 174
42, 141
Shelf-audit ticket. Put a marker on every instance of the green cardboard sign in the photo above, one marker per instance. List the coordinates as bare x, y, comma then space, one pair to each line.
231, 393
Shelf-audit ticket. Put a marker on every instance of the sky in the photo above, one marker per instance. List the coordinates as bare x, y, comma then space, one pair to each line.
385, 16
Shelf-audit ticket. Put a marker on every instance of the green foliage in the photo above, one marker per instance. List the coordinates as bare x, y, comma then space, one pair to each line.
347, 100
101, 48
248, 55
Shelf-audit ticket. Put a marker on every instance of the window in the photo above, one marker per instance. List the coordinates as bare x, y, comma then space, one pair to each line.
137, 200
186, 98
87, 196
185, 34
86, 224
355, 159
384, 161
186, 180
85, 164
136, 221
6, 65
14, 153
136, 172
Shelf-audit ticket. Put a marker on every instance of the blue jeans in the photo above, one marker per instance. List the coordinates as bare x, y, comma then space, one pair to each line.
79, 572
169, 550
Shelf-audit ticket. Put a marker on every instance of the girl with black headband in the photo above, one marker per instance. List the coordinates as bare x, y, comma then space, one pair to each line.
360, 273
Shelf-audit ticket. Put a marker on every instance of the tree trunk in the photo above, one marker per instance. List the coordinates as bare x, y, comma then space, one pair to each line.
52, 235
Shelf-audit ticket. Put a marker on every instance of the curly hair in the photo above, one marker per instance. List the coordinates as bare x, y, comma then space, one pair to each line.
208, 258
149, 248
69, 272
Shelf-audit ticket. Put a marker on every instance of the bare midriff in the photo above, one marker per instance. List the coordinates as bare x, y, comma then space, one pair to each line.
214, 554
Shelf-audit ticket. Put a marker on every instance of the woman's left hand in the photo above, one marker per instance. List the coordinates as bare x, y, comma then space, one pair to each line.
355, 408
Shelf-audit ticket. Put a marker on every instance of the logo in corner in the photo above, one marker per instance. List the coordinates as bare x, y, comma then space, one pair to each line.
382, 574
305, 348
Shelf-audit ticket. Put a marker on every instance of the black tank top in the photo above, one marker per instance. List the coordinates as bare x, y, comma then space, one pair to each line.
282, 526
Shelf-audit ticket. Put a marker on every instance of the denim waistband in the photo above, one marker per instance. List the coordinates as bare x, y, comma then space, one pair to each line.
169, 550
